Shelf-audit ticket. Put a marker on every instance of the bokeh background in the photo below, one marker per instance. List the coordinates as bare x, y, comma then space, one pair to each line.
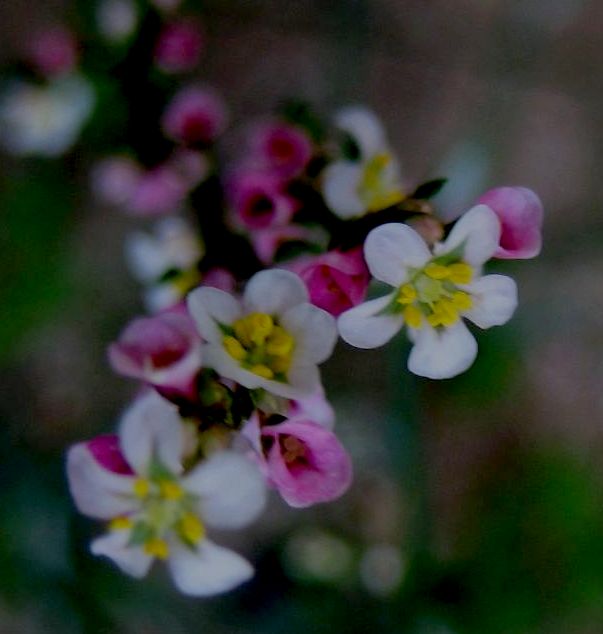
477, 505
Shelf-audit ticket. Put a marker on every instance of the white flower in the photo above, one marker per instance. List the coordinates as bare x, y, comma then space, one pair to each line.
272, 339
158, 511
352, 188
117, 19
173, 249
44, 120
433, 292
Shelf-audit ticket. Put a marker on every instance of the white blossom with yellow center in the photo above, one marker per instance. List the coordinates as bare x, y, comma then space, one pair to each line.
160, 512
372, 182
434, 291
273, 338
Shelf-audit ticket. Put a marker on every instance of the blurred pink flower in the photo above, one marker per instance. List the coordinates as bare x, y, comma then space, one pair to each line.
336, 280
163, 351
266, 242
520, 213
158, 191
219, 278
257, 201
179, 46
106, 451
281, 147
195, 115
114, 179
53, 51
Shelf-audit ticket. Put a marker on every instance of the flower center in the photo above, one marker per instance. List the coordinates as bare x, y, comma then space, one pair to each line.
433, 295
375, 189
165, 508
260, 346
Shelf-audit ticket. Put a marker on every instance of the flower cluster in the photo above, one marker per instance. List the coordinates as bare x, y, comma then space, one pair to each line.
250, 272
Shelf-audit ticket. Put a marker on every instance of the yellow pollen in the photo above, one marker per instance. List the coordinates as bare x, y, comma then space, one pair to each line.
262, 370
186, 280
191, 528
407, 294
461, 300
280, 342
437, 271
120, 524
413, 316
460, 273
141, 487
234, 348
157, 548
171, 490
444, 314
254, 328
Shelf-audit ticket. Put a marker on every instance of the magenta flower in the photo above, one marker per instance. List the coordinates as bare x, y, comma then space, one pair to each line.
281, 148
266, 242
163, 351
195, 115
179, 46
53, 51
158, 191
335, 280
106, 451
302, 459
520, 213
257, 201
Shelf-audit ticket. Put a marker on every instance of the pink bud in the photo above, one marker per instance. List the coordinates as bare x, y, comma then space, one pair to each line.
266, 242
179, 46
520, 213
195, 115
219, 278
53, 51
163, 351
335, 280
105, 450
257, 201
114, 179
282, 148
158, 191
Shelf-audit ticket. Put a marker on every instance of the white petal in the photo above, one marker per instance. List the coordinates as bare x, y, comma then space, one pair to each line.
151, 428
207, 306
303, 380
208, 570
363, 327
391, 249
145, 258
479, 231
364, 127
97, 492
231, 490
340, 189
494, 300
314, 331
442, 354
274, 291
130, 559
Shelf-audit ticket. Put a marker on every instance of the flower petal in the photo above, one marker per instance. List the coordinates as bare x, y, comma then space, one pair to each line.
340, 189
479, 231
130, 559
363, 327
494, 300
97, 492
442, 354
314, 331
391, 249
364, 127
209, 307
274, 291
152, 429
207, 570
230, 488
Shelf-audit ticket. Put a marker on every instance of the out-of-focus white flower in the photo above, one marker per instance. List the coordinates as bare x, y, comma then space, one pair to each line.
44, 120
156, 510
371, 182
433, 292
272, 339
381, 569
116, 19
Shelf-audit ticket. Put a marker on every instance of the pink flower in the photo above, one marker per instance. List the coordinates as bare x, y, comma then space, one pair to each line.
115, 179
53, 51
163, 351
520, 213
195, 115
158, 191
335, 280
257, 201
179, 46
219, 278
315, 407
266, 242
302, 459
282, 148
106, 451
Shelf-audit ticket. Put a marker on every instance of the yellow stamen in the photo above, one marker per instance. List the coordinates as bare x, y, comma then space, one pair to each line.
280, 342
191, 528
141, 487
446, 312
262, 370
234, 348
407, 294
157, 548
462, 301
413, 316
171, 490
120, 524
460, 273
259, 326
186, 280
437, 271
